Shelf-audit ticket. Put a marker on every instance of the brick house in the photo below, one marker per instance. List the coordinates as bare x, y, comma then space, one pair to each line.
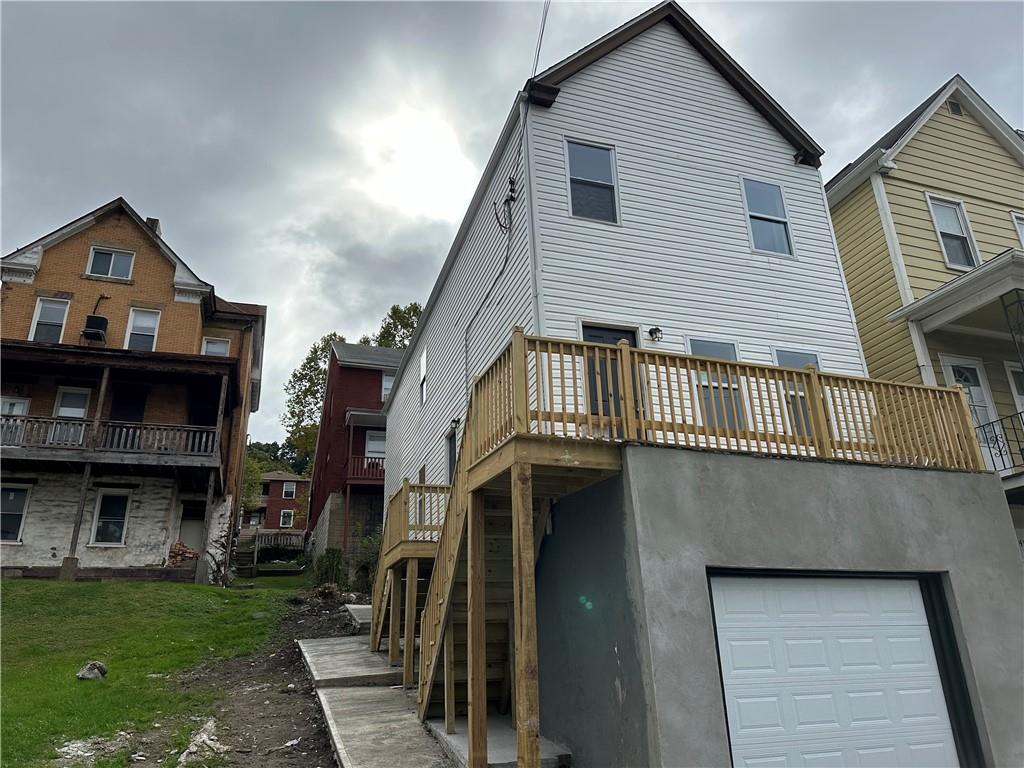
126, 392
347, 490
284, 503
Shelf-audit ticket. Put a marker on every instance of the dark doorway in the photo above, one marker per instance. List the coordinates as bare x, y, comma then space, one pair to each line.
604, 400
128, 403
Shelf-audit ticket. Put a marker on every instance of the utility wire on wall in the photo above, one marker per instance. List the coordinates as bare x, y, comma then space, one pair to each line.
503, 210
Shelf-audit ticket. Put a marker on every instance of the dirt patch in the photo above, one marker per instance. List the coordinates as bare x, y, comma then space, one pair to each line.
268, 714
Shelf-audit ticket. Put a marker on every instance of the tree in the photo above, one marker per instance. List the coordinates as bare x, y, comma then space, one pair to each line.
306, 386
257, 462
397, 327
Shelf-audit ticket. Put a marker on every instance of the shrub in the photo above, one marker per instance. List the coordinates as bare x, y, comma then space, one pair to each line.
330, 569
364, 562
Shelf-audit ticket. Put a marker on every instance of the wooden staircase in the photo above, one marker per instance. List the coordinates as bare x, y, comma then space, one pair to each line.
245, 553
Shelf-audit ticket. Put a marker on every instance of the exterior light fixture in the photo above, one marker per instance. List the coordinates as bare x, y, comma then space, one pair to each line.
655, 333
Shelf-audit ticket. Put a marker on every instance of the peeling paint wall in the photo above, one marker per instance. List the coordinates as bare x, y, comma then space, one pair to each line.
217, 539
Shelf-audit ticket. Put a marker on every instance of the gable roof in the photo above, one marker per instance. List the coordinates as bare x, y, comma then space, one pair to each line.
28, 255
278, 474
881, 154
543, 89
365, 356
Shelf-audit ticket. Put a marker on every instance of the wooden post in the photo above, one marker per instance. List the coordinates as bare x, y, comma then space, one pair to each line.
971, 433
70, 563
449, 676
520, 389
404, 519
816, 407
95, 437
220, 412
627, 397
527, 707
395, 624
411, 590
202, 564
476, 641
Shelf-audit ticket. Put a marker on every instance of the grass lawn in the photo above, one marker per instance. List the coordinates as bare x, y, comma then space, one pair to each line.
292, 583
49, 629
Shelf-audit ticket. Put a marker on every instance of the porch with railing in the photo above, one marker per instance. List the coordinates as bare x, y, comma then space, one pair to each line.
366, 468
116, 436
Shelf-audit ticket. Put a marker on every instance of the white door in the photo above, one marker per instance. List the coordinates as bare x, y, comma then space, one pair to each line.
825, 671
969, 373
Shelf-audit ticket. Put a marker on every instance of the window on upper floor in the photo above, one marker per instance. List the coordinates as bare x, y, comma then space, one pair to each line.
954, 233
106, 262
387, 382
423, 377
795, 359
375, 444
216, 346
265, 489
48, 322
592, 182
796, 397
766, 212
288, 489
142, 328
1018, 222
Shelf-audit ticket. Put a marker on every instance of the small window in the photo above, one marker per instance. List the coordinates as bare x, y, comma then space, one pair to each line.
142, 328
721, 399
14, 406
48, 324
955, 108
265, 489
387, 382
13, 505
288, 489
954, 233
375, 442
795, 359
766, 210
111, 517
592, 182
287, 518
215, 346
109, 263
423, 377
1018, 222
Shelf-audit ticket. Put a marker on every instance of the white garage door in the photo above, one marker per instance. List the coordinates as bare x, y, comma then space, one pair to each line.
830, 672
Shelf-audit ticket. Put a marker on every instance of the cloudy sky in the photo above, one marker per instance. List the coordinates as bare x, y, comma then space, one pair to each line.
317, 157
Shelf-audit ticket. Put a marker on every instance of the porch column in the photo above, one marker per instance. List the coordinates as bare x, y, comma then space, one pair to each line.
70, 563
94, 439
395, 624
411, 590
203, 565
220, 413
476, 635
524, 596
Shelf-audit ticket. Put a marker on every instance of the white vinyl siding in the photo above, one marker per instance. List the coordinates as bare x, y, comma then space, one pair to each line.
680, 258
417, 434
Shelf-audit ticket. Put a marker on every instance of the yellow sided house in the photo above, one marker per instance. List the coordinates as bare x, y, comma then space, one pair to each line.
930, 225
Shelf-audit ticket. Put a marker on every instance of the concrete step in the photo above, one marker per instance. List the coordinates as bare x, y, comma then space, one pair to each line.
345, 662
361, 615
501, 744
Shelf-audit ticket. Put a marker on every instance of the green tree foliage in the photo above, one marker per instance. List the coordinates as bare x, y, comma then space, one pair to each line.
305, 387
397, 327
257, 462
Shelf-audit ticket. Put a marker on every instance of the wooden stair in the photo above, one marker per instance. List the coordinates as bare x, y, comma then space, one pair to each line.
244, 558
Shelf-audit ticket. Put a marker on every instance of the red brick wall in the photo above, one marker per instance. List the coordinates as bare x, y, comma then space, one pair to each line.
276, 502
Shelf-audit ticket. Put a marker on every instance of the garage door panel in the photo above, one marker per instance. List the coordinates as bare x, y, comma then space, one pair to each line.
823, 671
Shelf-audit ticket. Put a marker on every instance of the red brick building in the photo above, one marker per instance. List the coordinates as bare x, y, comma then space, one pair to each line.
347, 491
284, 503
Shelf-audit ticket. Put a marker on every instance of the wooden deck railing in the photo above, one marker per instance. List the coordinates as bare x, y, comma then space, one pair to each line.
366, 468
587, 391
41, 432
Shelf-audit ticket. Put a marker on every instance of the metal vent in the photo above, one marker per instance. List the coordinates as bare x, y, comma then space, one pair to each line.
955, 108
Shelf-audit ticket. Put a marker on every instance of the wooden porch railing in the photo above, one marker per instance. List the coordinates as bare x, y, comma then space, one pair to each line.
366, 467
41, 432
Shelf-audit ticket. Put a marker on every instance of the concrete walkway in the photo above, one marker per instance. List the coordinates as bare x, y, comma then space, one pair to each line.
361, 615
345, 662
501, 744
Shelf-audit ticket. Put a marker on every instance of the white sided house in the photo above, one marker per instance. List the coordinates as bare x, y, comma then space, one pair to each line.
659, 513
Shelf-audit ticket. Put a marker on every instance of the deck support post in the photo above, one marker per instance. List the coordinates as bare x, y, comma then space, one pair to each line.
449, 676
520, 389
395, 624
527, 697
411, 590
476, 641
94, 438
70, 563
202, 575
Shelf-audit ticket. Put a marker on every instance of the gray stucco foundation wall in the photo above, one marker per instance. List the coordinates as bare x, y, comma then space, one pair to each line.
697, 510
592, 679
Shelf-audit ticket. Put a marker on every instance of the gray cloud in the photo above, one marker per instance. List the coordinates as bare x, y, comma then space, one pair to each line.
317, 157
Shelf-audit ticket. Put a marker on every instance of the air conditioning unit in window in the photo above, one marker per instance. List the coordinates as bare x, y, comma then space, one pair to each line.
95, 328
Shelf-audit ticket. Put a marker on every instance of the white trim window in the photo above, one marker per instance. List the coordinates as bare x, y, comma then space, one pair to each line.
953, 231
12, 430
71, 406
14, 499
767, 222
287, 518
387, 381
375, 443
288, 489
1018, 224
143, 325
14, 406
796, 397
48, 320
592, 187
110, 521
423, 378
107, 262
721, 402
216, 346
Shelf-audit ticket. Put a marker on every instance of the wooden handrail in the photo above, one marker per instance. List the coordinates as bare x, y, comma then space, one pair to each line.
120, 436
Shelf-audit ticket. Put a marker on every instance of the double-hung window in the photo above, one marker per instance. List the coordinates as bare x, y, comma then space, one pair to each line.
387, 382
142, 328
287, 518
288, 489
48, 324
720, 399
766, 211
111, 519
796, 397
592, 182
216, 346
105, 262
12, 430
954, 233
13, 505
